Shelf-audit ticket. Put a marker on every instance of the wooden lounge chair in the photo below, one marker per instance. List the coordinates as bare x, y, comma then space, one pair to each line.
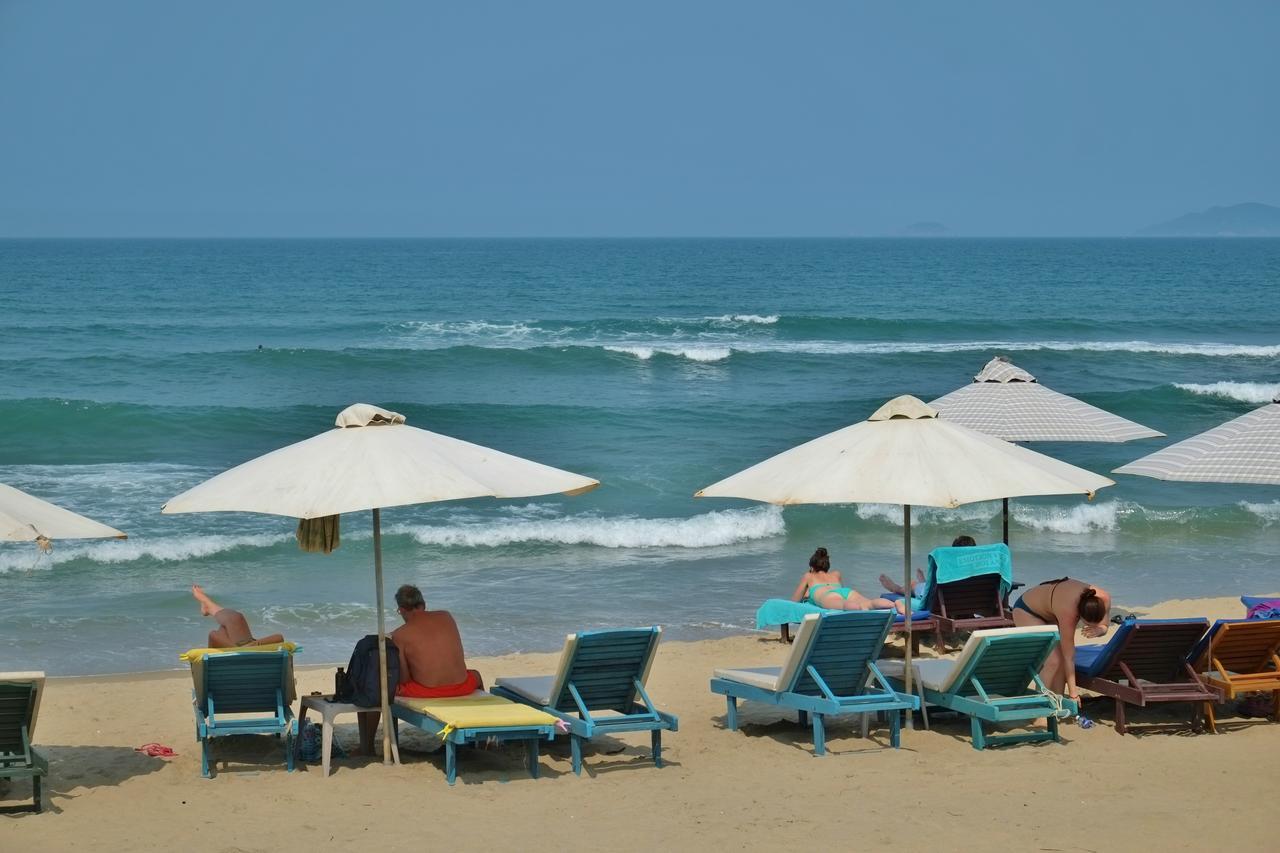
831, 671
994, 680
1145, 663
477, 718
20, 694
240, 682
598, 688
972, 604
1240, 656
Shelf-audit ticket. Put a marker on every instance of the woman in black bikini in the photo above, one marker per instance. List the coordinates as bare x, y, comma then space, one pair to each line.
1065, 603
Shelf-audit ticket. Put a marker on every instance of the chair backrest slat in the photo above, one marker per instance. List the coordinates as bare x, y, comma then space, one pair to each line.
247, 682
975, 596
841, 650
605, 667
1154, 650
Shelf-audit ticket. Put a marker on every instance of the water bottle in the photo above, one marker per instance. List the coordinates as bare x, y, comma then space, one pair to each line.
1084, 722
339, 683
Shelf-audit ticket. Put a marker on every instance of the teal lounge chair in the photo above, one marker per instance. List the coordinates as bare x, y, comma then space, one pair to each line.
243, 682
598, 688
990, 680
19, 706
831, 671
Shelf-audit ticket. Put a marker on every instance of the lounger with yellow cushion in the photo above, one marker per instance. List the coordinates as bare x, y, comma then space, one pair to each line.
478, 717
242, 681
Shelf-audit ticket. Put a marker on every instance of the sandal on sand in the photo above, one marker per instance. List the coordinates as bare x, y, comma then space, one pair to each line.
155, 750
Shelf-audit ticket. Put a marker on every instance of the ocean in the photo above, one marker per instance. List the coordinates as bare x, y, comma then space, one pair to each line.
133, 370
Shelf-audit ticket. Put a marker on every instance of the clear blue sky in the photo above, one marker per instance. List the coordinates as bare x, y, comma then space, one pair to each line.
278, 118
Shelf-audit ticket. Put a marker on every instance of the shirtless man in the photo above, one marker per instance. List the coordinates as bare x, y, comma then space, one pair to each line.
233, 630
432, 664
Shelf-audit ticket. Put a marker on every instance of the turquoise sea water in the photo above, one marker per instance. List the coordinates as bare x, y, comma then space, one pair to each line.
135, 369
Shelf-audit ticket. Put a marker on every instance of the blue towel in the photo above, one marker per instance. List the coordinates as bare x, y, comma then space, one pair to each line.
957, 564
780, 611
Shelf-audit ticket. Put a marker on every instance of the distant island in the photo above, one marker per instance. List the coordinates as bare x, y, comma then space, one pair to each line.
1239, 220
925, 229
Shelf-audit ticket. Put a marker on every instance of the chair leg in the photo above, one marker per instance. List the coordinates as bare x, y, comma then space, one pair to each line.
655, 741
924, 708
731, 713
1120, 724
819, 735
289, 744
575, 751
37, 801
326, 748
532, 750
1210, 718
451, 761
1053, 729
979, 739
895, 728
204, 758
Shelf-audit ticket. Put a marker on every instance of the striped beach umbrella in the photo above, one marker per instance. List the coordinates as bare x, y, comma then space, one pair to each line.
1008, 402
1244, 450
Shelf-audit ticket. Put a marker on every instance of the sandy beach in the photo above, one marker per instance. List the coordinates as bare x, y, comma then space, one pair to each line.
755, 789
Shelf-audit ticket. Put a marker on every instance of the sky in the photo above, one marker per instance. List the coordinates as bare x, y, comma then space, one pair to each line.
709, 118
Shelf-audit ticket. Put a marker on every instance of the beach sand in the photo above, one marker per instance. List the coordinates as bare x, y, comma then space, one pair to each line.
757, 788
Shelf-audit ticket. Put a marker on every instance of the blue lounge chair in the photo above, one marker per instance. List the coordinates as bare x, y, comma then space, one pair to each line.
258, 681
1146, 662
19, 706
994, 680
598, 688
831, 671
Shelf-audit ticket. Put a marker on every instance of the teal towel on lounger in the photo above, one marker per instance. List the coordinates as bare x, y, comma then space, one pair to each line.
957, 564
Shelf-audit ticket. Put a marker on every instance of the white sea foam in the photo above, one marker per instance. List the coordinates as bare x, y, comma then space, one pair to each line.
1079, 518
161, 550
744, 319
1213, 350
693, 353
1247, 392
709, 530
1268, 512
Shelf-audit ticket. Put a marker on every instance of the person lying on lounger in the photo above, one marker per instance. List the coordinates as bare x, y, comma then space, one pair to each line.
432, 664
917, 589
233, 629
1065, 603
821, 585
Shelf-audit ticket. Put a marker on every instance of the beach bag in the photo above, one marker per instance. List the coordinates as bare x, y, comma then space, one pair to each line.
362, 687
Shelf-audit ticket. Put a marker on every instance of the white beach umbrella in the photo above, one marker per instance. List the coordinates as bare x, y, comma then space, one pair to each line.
372, 460
1008, 402
1244, 450
24, 518
905, 454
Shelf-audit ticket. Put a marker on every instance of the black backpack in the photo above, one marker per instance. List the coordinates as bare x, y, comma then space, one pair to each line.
362, 687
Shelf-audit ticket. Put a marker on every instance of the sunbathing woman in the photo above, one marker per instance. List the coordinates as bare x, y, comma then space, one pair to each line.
822, 586
1064, 603
233, 630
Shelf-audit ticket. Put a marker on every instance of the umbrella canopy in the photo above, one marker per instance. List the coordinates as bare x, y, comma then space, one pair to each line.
1244, 450
1006, 401
371, 460
905, 454
24, 518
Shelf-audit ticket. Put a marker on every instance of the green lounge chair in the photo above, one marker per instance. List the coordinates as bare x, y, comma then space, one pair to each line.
19, 706
831, 671
249, 681
598, 688
989, 682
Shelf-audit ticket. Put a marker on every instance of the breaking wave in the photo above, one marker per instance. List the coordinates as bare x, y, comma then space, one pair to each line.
1246, 392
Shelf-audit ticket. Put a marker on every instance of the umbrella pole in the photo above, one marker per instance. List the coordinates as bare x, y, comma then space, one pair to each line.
1006, 521
387, 746
907, 590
